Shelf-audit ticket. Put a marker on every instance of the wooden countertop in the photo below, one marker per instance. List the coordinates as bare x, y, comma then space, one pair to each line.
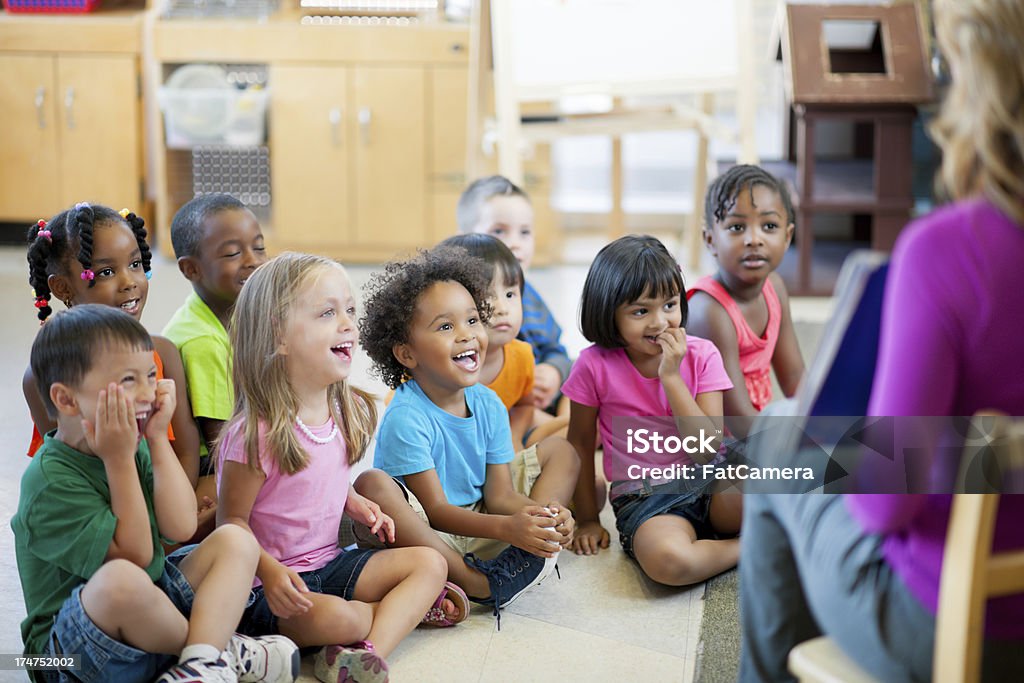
282, 38
115, 28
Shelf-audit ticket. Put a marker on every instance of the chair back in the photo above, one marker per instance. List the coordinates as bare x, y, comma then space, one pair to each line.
971, 573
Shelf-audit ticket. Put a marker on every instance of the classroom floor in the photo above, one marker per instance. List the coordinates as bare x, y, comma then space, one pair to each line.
603, 621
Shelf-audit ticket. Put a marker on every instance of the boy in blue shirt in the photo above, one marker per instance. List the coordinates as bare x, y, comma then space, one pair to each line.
496, 206
461, 487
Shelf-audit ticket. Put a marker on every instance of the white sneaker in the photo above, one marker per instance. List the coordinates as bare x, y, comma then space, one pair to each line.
198, 670
267, 659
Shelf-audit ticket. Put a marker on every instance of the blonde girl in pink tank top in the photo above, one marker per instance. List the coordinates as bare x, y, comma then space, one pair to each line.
744, 307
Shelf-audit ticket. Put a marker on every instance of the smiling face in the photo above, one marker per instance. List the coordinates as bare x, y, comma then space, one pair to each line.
640, 322
320, 334
507, 316
751, 240
120, 280
510, 219
132, 369
447, 340
230, 250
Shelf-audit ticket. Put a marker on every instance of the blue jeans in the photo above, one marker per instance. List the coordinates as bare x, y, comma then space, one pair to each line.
338, 577
102, 657
633, 509
807, 568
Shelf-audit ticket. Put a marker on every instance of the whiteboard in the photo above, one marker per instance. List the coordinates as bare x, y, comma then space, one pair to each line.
618, 47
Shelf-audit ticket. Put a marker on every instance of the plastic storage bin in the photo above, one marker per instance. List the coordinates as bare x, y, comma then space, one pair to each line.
51, 6
202, 116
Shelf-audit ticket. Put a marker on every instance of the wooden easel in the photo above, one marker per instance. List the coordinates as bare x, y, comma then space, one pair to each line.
690, 96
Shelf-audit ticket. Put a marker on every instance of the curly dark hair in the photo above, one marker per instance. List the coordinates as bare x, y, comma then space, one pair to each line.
391, 297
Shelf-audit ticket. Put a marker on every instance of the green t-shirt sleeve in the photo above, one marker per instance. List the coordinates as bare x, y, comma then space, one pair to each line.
207, 369
71, 525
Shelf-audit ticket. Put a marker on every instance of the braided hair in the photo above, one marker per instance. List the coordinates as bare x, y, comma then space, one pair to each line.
52, 243
722, 193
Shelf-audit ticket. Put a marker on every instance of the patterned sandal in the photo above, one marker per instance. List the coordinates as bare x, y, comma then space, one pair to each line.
436, 616
353, 663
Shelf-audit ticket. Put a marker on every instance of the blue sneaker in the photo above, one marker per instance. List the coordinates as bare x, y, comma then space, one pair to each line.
510, 574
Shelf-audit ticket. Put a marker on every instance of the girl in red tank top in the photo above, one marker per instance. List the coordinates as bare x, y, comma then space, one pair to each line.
744, 307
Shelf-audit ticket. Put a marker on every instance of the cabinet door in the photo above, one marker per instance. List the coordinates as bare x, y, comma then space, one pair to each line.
309, 147
29, 179
389, 133
100, 151
449, 88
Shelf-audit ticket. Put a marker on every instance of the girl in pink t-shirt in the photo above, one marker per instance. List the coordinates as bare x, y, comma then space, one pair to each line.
645, 372
283, 473
744, 307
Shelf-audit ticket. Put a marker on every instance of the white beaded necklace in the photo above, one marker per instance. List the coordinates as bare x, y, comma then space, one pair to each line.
313, 437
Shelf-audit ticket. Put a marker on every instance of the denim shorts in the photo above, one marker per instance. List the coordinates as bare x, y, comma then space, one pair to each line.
101, 657
633, 509
338, 577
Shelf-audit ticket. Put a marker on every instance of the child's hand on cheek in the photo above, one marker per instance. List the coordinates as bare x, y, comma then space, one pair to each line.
114, 435
162, 410
673, 347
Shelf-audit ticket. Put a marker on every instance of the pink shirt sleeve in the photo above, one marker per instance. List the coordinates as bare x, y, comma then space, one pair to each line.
709, 371
581, 386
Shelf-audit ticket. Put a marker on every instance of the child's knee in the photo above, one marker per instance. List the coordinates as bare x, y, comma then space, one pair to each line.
117, 586
430, 562
670, 566
375, 485
232, 540
557, 451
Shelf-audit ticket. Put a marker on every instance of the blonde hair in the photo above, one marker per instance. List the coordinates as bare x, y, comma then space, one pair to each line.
263, 391
981, 126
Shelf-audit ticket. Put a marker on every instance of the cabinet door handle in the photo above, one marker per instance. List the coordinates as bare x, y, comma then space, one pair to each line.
69, 107
334, 118
365, 119
40, 100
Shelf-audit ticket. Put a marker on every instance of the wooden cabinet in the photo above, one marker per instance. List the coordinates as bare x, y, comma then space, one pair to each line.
310, 147
389, 137
347, 145
71, 125
366, 129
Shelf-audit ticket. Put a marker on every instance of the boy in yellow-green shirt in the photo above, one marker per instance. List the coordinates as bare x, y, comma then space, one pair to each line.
219, 244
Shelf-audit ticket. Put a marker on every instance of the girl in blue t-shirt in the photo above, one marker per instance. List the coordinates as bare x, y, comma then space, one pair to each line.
643, 365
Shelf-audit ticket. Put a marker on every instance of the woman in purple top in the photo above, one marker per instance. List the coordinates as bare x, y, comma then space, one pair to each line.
865, 569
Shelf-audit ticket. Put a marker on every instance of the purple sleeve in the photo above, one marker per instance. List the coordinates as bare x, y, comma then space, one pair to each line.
580, 386
917, 370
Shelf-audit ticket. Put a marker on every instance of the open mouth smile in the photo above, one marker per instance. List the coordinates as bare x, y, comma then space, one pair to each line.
467, 360
343, 351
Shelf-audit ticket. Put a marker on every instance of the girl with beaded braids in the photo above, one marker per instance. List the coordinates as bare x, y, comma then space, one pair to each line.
93, 254
744, 307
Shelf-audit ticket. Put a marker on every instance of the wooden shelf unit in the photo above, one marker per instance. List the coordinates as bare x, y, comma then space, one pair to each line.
72, 101
365, 129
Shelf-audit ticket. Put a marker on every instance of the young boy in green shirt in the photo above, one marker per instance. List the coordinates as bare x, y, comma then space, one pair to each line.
95, 503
